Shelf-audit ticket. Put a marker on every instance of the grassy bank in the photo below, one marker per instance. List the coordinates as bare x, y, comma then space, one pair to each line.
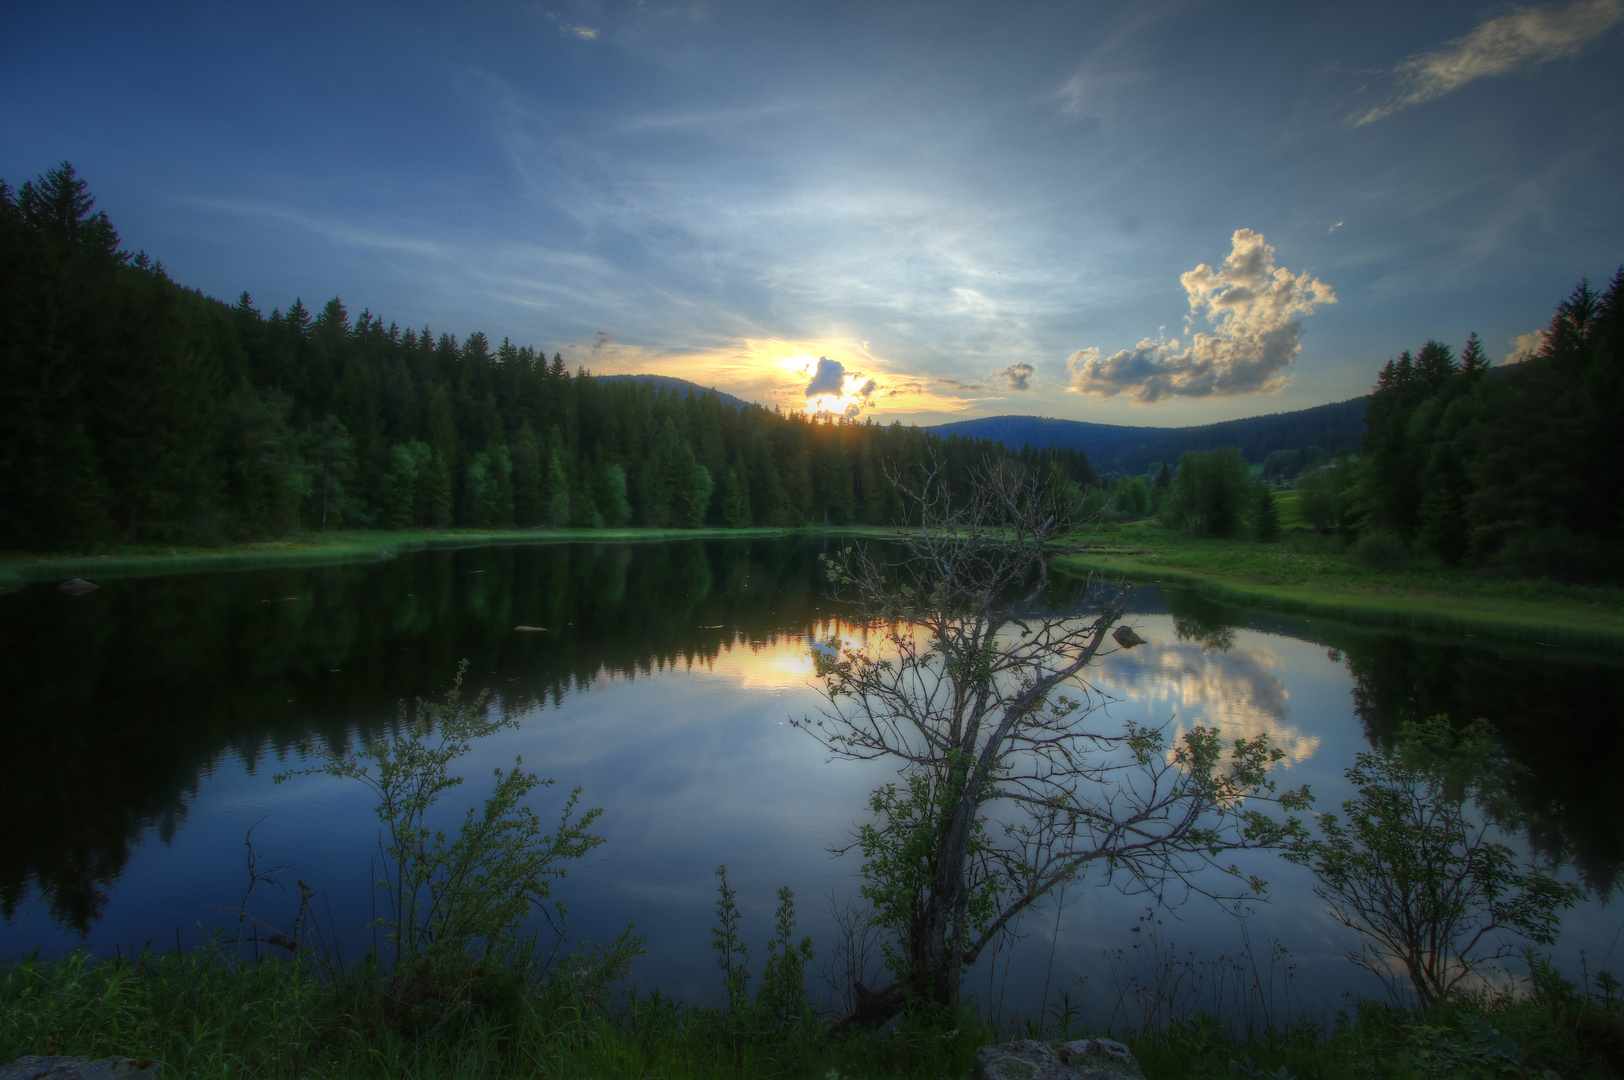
1303, 573
204, 1015
1310, 574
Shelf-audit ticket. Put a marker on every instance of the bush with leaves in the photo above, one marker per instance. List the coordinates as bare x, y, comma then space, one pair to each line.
1414, 868
457, 901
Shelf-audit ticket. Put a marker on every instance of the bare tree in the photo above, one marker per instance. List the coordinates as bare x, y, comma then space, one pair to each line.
971, 675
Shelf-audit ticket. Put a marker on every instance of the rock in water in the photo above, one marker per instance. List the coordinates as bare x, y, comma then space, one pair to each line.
78, 1068
1127, 638
78, 587
1082, 1059
385, 555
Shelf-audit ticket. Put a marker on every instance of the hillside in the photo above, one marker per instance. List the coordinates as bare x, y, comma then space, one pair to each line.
670, 384
1117, 448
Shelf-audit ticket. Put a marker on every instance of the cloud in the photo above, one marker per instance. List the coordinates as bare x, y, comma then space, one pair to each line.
1525, 345
1254, 307
585, 33
828, 378
1524, 39
1018, 376
602, 340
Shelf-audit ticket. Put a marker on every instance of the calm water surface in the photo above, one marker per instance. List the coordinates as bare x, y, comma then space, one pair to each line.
144, 722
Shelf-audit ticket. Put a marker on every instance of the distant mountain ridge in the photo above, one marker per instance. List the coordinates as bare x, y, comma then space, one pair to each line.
1117, 448
682, 387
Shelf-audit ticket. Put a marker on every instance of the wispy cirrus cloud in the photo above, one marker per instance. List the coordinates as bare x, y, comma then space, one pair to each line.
1524, 39
1256, 310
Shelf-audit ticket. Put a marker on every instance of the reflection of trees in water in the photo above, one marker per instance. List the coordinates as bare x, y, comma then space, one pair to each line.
117, 706
117, 703
1555, 716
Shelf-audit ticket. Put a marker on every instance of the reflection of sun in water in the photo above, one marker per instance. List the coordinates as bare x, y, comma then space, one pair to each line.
780, 661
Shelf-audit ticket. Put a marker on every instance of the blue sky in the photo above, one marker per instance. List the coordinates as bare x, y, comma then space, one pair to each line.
1143, 213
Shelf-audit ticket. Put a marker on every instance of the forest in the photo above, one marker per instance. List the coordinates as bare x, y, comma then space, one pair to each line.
1520, 466
139, 411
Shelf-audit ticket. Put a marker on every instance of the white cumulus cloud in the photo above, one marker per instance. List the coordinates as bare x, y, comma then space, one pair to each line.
1255, 309
1525, 38
1525, 345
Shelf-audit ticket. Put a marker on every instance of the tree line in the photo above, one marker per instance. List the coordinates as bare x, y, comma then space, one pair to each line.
137, 410
1517, 468
1520, 466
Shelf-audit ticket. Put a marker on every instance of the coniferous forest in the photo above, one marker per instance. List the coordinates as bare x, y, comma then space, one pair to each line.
1519, 467
137, 410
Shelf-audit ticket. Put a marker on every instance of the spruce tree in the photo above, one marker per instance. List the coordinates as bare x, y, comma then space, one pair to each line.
735, 498
556, 490
1268, 515
527, 478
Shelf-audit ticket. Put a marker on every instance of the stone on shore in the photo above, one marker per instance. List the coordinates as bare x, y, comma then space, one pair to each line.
78, 1068
1081, 1059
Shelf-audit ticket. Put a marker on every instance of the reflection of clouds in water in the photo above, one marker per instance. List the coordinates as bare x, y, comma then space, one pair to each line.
1239, 692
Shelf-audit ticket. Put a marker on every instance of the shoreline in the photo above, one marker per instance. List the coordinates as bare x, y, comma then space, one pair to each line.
1558, 623
1529, 618
347, 546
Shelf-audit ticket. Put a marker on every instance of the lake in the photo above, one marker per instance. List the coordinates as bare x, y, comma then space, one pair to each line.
144, 723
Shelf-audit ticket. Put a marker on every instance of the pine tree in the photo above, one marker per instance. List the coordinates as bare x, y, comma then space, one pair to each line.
527, 478
437, 492
556, 507
1472, 361
735, 498
400, 488
1268, 515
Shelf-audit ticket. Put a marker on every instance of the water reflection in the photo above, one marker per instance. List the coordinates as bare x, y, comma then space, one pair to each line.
123, 701
1555, 712
1240, 692
661, 681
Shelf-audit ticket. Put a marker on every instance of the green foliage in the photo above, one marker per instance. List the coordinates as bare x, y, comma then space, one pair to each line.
783, 1001
1266, 517
735, 498
1283, 464
733, 955
556, 488
488, 490
527, 478
1417, 874
1323, 493
329, 455
133, 410
612, 501
1132, 498
696, 496
463, 899
967, 676
1518, 469
1211, 495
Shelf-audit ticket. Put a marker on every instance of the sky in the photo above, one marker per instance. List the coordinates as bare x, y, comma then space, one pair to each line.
1130, 213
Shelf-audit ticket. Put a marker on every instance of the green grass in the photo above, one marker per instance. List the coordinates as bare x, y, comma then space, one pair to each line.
203, 1014
1308, 573
1304, 573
